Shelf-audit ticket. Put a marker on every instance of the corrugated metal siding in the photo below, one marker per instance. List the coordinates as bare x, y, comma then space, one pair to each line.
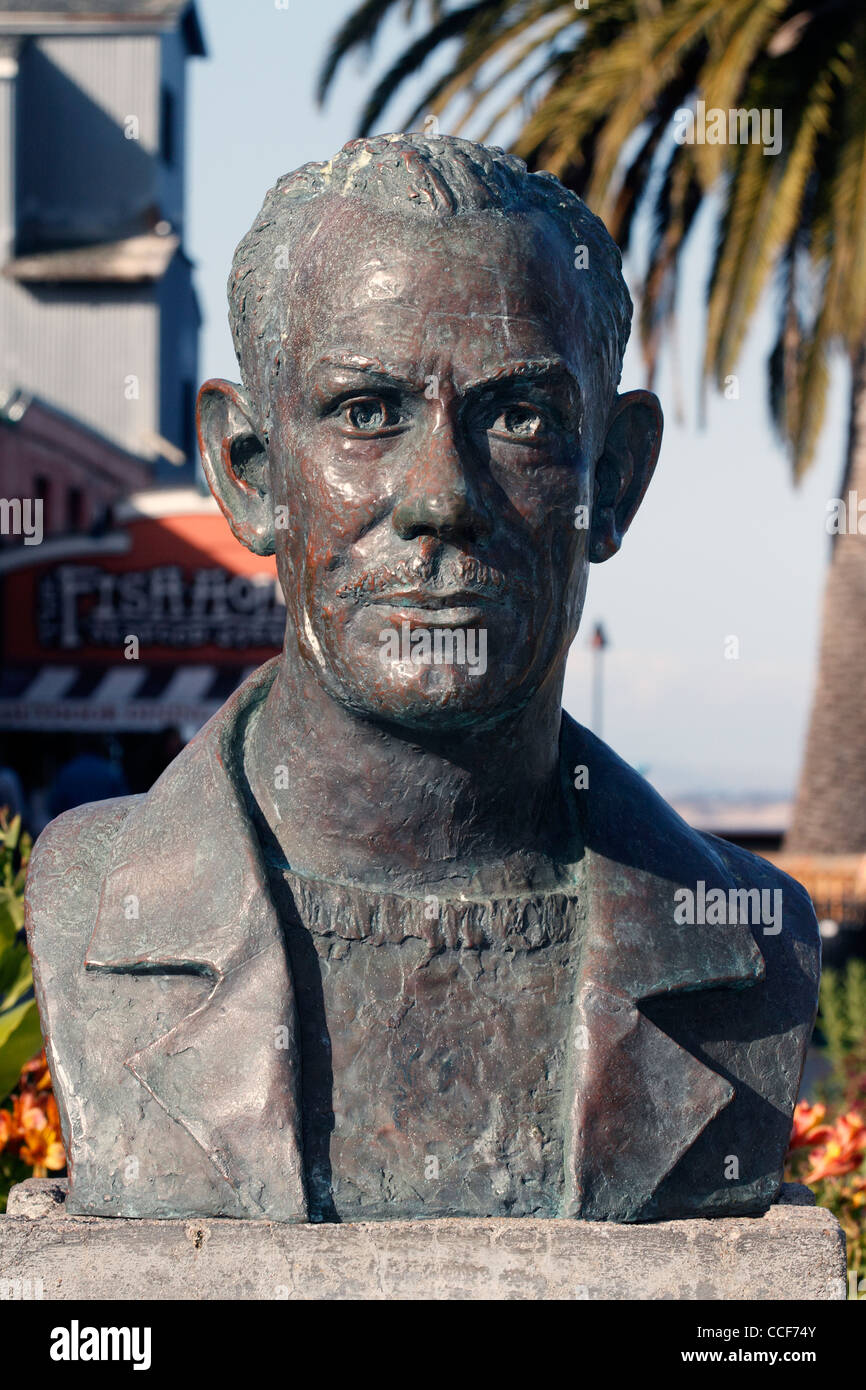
80, 180
120, 75
7, 165
79, 176
76, 347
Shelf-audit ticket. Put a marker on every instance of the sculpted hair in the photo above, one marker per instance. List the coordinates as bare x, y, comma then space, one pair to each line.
416, 175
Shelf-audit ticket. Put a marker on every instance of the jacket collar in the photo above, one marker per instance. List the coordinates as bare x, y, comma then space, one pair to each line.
639, 1098
186, 890
184, 883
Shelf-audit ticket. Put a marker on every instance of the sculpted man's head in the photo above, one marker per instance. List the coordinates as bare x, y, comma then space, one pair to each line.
430, 340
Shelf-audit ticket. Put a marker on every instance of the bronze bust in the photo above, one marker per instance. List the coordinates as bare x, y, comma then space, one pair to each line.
394, 936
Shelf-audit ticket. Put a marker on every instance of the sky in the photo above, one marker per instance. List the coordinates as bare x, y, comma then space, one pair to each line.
724, 546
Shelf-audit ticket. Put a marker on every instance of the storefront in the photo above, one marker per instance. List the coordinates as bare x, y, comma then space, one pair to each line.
137, 636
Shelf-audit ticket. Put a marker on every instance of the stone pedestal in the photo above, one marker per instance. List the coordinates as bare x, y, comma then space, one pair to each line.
795, 1251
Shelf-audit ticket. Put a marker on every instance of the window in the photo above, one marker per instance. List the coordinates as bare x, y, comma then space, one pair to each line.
43, 489
189, 444
75, 509
166, 124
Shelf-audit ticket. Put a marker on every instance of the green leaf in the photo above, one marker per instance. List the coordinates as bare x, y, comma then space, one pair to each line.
20, 1039
11, 918
16, 975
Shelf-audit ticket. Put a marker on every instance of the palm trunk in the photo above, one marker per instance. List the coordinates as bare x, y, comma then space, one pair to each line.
830, 811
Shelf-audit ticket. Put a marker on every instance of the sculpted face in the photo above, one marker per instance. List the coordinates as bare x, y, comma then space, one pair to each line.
434, 425
427, 445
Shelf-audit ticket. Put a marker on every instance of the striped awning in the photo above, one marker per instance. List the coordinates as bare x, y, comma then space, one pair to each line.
128, 697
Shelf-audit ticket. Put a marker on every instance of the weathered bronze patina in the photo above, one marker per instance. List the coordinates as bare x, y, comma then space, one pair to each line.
393, 936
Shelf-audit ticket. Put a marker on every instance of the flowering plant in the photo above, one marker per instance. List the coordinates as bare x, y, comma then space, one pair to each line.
831, 1158
20, 1037
828, 1141
30, 1142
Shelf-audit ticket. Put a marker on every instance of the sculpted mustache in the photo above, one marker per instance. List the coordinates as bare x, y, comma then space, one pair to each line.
467, 574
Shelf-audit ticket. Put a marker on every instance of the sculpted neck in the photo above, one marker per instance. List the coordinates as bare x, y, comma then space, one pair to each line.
352, 800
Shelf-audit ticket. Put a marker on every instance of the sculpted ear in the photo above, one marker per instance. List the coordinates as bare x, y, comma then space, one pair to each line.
624, 470
235, 462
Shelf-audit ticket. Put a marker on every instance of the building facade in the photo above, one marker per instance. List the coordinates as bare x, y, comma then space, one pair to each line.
74, 476
98, 370
98, 312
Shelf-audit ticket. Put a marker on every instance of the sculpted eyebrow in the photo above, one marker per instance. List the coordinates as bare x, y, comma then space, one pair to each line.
371, 366
530, 369
533, 369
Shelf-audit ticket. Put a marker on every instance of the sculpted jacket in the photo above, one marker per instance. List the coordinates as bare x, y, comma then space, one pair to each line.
162, 980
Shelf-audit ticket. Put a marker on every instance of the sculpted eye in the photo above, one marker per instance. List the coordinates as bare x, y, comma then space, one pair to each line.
522, 422
369, 415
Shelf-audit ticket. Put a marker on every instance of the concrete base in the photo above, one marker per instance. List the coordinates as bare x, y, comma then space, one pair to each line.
794, 1251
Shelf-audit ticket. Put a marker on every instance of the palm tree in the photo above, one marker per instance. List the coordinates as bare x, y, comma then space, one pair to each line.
600, 84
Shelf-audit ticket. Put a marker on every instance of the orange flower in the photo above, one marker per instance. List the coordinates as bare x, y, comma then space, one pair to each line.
33, 1124
35, 1074
856, 1193
40, 1126
807, 1128
9, 1134
844, 1151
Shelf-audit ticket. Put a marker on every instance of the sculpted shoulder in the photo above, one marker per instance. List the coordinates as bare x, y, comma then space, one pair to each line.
793, 927
65, 873
643, 839
622, 810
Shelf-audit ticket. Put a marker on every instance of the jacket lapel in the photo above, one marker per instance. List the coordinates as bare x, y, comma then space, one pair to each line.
186, 891
640, 1100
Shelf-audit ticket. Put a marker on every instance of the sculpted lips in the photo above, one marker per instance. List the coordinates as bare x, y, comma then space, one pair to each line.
433, 599
430, 584
435, 607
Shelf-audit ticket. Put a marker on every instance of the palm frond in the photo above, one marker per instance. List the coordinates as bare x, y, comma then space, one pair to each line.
476, 55
677, 204
742, 31
765, 213
449, 27
359, 30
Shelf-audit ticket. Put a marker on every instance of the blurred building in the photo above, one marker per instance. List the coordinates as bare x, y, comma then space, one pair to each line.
98, 313
134, 635
99, 328
151, 624
77, 474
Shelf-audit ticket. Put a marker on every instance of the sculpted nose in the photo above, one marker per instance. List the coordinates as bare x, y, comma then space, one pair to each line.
439, 498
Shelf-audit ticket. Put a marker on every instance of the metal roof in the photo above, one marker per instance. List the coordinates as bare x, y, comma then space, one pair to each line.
135, 260
98, 16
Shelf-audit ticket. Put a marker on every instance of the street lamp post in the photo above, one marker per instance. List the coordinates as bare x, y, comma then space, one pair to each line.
598, 643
